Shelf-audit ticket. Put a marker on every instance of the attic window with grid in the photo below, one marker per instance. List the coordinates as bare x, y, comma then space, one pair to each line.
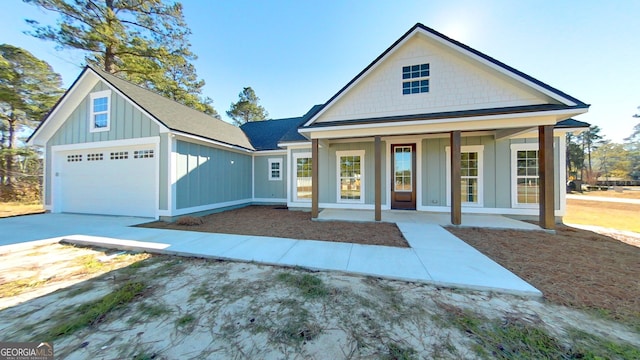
415, 79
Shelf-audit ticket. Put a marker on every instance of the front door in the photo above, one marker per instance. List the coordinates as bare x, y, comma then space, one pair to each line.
403, 178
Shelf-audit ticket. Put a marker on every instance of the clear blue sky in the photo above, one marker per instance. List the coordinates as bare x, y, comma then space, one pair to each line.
299, 53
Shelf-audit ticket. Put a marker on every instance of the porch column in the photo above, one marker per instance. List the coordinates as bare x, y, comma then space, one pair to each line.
314, 179
456, 189
378, 179
545, 172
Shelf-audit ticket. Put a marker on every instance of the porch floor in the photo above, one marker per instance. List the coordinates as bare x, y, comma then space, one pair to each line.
422, 217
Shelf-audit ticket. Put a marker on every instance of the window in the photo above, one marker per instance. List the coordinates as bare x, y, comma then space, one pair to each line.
350, 176
302, 180
275, 169
524, 163
119, 155
100, 111
143, 154
94, 157
471, 182
415, 79
74, 158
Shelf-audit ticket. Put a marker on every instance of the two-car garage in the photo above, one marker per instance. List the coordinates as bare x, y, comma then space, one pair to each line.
115, 180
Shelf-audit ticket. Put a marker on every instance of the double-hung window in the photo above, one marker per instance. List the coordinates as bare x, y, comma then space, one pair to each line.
350, 171
471, 179
302, 176
415, 79
275, 169
524, 175
100, 109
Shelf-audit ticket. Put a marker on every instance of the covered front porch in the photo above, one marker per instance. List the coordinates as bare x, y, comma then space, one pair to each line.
423, 217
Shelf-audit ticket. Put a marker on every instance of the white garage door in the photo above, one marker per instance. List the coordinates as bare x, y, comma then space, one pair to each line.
111, 181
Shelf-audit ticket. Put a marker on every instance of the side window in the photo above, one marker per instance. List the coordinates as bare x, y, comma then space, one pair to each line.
471, 178
275, 169
524, 175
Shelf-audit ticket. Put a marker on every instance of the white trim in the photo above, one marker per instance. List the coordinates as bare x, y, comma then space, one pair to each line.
111, 143
269, 152
271, 161
92, 112
253, 177
269, 200
340, 154
562, 176
195, 209
218, 144
294, 172
547, 115
289, 175
295, 145
45, 179
514, 172
467, 148
171, 172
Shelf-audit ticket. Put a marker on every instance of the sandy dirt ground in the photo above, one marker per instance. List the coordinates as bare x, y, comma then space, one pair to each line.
202, 309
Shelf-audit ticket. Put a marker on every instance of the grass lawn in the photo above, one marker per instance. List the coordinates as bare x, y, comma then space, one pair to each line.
618, 216
8, 209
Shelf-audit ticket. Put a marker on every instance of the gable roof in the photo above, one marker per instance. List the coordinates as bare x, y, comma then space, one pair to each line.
169, 113
267, 134
571, 124
568, 101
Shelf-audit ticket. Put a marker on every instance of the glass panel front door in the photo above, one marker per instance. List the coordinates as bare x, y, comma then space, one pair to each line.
403, 188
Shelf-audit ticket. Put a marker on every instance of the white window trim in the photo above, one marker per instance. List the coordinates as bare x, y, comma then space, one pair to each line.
514, 174
270, 173
294, 171
362, 177
468, 148
92, 124
416, 61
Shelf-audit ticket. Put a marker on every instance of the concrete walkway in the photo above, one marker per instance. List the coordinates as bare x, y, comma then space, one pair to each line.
435, 257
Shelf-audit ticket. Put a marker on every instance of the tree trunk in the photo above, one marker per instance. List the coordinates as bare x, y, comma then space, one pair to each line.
109, 51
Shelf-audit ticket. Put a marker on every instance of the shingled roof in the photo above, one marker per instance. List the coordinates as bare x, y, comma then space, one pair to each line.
265, 135
176, 116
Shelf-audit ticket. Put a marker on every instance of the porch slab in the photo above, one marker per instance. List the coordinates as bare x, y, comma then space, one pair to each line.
423, 217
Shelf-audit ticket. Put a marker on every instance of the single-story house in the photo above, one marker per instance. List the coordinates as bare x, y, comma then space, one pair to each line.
430, 125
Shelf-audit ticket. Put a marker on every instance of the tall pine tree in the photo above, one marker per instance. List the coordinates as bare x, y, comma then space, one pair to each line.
143, 41
28, 89
247, 108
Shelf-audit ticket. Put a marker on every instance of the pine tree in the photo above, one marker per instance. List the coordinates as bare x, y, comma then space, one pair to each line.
247, 109
143, 41
28, 89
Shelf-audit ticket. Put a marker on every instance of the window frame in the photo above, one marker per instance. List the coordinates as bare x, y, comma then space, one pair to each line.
344, 153
271, 161
514, 174
479, 149
420, 79
92, 113
294, 167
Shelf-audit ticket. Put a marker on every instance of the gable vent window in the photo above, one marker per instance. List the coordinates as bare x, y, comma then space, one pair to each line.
119, 155
74, 158
143, 154
99, 117
415, 79
94, 157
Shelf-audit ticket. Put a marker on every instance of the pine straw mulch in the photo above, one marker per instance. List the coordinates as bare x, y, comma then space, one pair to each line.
574, 267
277, 221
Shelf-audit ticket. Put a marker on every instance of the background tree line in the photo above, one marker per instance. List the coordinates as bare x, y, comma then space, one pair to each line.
143, 41
591, 157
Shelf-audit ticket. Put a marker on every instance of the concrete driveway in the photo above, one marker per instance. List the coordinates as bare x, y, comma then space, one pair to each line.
25, 228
